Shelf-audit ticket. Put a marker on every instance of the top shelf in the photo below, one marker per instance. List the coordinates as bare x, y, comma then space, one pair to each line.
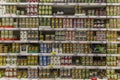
80, 4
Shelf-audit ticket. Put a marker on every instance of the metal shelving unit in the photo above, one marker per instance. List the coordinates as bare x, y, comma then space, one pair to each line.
76, 16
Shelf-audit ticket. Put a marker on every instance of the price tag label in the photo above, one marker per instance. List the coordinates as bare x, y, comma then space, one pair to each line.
77, 16
10, 15
75, 54
86, 54
53, 53
29, 67
88, 4
69, 41
50, 66
65, 29
75, 29
7, 67
54, 3
66, 16
62, 67
74, 67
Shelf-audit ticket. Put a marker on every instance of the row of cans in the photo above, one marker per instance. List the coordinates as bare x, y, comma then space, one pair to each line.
32, 73
28, 22
60, 23
45, 60
32, 10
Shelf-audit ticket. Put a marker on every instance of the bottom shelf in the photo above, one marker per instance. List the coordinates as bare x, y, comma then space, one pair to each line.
46, 79
58, 74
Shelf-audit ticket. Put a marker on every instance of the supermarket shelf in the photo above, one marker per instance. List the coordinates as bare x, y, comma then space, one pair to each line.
112, 54
36, 3
65, 67
32, 41
18, 79
118, 67
63, 29
80, 4
60, 29
10, 66
74, 29
54, 16
113, 16
48, 54
60, 54
114, 29
18, 3
45, 79
18, 28
113, 4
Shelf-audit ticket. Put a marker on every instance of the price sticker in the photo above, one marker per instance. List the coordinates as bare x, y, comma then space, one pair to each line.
29, 67
77, 16
54, 3
7, 67
52, 29
50, 66
75, 54
69, 41
65, 29
75, 29
62, 67
53, 53
66, 16
88, 4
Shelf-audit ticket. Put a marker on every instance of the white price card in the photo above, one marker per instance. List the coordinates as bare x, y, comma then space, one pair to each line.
75, 54
65, 29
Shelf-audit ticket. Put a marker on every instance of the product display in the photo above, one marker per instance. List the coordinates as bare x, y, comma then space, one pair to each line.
59, 40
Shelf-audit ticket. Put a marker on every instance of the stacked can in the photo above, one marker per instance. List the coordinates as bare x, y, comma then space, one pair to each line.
56, 47
45, 10
99, 24
111, 61
113, 10
45, 22
67, 48
43, 48
10, 9
69, 35
11, 61
78, 23
23, 35
80, 36
44, 60
32, 10
32, 35
67, 23
2, 60
59, 35
55, 61
22, 73
44, 73
10, 72
22, 62
32, 60
76, 73
65, 73
113, 49
101, 35
66, 60
32, 73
